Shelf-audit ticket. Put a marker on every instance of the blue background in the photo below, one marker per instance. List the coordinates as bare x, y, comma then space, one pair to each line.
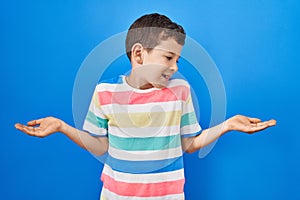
255, 45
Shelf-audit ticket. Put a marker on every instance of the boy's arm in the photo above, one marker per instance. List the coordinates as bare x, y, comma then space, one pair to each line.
49, 125
237, 123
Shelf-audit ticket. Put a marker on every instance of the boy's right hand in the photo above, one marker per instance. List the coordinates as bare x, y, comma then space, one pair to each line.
41, 127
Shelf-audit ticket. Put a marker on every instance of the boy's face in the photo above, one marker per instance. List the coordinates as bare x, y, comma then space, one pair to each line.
159, 64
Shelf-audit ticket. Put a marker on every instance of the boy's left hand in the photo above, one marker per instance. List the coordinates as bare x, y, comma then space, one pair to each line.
247, 124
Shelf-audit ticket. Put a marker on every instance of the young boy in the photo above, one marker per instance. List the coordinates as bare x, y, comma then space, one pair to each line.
144, 121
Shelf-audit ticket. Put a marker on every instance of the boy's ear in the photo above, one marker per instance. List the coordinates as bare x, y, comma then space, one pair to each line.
137, 53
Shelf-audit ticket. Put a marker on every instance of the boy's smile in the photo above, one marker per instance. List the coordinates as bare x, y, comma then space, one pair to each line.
154, 68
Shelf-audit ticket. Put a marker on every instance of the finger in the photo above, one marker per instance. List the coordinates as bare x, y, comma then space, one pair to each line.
254, 120
258, 127
272, 122
18, 126
26, 129
34, 122
262, 125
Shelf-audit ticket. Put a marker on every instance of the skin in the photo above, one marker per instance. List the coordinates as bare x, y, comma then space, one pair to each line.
159, 64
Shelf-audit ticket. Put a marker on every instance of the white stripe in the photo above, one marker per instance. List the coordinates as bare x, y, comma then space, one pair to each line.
117, 87
144, 132
87, 126
143, 178
177, 81
111, 87
146, 107
96, 111
112, 196
190, 129
145, 155
187, 107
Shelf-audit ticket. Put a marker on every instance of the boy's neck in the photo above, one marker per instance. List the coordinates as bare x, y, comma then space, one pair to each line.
137, 83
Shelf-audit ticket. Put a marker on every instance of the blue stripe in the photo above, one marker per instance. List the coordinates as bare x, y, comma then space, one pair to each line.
188, 119
191, 135
146, 143
96, 135
97, 121
145, 167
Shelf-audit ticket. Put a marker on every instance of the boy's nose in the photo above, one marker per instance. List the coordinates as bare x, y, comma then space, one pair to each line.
174, 67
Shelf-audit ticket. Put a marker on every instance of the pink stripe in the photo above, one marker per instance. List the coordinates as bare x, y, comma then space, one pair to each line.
142, 189
129, 97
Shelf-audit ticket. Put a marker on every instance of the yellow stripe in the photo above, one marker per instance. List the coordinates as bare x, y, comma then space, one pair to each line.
96, 100
103, 198
154, 119
189, 99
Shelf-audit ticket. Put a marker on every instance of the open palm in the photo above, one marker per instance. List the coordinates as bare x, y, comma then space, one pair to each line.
40, 127
248, 124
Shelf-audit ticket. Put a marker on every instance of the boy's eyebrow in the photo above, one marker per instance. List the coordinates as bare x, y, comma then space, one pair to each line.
173, 54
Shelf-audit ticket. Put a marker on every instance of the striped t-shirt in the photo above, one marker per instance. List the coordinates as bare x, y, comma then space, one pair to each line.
144, 130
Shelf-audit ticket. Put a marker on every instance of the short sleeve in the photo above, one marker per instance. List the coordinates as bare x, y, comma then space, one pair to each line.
95, 122
189, 125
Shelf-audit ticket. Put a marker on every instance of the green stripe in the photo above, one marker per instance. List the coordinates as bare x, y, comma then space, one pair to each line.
97, 121
188, 119
143, 144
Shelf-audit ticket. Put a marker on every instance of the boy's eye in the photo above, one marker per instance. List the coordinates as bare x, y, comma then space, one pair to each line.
169, 57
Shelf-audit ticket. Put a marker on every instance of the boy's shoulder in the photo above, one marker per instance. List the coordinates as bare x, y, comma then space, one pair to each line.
110, 84
178, 82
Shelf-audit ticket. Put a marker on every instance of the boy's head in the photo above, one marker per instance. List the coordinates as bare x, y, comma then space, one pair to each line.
153, 45
149, 30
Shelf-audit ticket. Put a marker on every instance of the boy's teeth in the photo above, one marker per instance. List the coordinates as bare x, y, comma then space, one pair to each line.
165, 76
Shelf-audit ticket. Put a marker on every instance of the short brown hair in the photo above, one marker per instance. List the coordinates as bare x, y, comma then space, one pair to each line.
150, 29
